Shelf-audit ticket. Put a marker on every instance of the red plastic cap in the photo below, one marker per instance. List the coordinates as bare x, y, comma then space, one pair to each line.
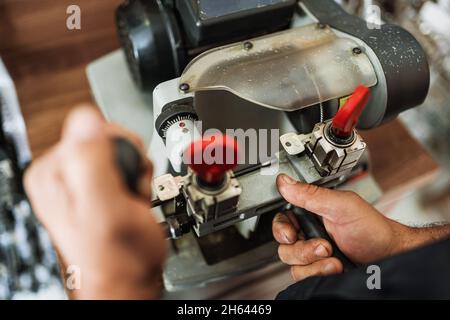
347, 117
211, 157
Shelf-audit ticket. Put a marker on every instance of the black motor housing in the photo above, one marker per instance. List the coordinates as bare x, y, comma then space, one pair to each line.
160, 37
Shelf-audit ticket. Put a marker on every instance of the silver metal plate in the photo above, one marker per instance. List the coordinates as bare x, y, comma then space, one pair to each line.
167, 187
293, 143
287, 71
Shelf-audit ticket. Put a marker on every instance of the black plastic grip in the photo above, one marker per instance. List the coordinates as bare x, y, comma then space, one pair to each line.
130, 163
313, 227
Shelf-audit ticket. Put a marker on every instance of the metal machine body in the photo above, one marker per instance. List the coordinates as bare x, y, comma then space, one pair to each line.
251, 194
246, 195
220, 69
297, 79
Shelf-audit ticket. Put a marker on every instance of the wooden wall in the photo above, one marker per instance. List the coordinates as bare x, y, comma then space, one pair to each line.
47, 61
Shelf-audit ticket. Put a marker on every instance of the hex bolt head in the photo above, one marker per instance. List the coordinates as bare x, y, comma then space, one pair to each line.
357, 50
184, 87
248, 45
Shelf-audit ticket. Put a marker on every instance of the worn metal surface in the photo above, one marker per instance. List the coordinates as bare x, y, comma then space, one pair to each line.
291, 62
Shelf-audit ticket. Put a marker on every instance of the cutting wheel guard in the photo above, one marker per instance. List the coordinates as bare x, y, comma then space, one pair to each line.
286, 71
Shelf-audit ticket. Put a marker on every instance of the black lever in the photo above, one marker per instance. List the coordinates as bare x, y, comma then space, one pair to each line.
313, 227
130, 162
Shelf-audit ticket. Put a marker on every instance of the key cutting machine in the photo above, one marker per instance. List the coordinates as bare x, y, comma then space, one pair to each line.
305, 70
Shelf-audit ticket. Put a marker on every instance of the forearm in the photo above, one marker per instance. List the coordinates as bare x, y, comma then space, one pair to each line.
408, 238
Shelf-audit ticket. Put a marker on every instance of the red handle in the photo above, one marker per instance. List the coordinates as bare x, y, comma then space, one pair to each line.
211, 157
347, 117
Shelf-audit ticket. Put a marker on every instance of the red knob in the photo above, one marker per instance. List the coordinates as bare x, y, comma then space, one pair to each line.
347, 117
211, 157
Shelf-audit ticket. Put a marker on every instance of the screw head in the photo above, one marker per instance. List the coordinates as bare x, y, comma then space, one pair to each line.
357, 50
184, 87
248, 45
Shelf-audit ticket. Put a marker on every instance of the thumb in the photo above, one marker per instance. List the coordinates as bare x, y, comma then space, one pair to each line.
83, 123
335, 206
87, 161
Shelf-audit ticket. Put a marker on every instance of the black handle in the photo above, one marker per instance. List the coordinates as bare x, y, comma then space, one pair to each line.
130, 162
313, 227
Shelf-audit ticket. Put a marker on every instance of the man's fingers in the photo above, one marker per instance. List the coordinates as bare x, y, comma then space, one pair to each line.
283, 229
90, 171
324, 267
305, 252
293, 219
330, 204
85, 126
42, 179
86, 122
83, 123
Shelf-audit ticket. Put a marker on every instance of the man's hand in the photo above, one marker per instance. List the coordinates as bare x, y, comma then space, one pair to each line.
94, 221
359, 230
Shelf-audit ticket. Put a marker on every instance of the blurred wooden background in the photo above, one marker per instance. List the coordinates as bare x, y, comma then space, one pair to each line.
47, 63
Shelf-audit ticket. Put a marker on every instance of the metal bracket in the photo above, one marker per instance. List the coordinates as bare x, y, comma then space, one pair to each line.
167, 186
293, 143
